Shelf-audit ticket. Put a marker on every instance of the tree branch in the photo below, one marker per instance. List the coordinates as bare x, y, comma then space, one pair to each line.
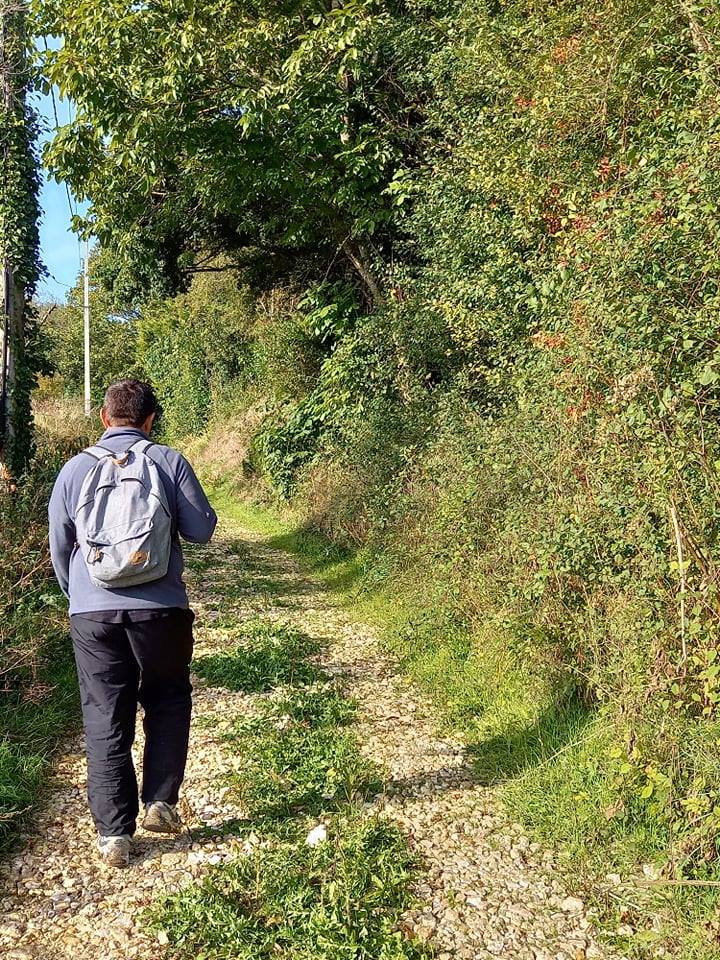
699, 37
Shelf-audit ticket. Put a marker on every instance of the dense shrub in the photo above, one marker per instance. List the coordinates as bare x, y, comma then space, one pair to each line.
113, 342
196, 343
37, 686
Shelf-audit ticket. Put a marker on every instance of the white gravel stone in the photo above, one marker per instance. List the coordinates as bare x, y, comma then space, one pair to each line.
572, 905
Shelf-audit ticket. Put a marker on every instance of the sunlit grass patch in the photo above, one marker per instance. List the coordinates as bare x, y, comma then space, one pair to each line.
297, 759
269, 655
338, 900
315, 708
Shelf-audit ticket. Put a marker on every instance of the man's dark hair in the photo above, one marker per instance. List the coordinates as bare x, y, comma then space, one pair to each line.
128, 403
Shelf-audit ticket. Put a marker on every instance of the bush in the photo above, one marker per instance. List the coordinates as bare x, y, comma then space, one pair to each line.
37, 677
194, 345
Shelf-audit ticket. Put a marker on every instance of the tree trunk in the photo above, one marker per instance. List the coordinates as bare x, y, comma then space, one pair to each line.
361, 261
18, 238
15, 300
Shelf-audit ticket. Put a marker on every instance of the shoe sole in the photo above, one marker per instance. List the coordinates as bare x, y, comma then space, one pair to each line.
157, 825
115, 860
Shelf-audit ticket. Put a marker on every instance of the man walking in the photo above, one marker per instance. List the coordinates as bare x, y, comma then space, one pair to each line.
116, 514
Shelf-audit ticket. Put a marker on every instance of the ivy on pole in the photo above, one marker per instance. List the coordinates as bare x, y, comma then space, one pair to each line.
19, 239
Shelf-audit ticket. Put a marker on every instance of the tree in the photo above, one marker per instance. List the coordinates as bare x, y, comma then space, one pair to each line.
19, 241
281, 127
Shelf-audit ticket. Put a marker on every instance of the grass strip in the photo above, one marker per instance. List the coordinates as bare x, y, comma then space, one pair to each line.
338, 900
324, 879
267, 656
33, 720
298, 758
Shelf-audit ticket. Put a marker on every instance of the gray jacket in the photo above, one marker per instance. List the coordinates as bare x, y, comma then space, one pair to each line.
194, 520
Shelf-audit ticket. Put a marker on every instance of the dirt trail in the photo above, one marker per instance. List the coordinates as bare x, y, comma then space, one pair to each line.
485, 890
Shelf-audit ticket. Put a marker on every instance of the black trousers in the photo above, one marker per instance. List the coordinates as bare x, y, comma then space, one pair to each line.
120, 665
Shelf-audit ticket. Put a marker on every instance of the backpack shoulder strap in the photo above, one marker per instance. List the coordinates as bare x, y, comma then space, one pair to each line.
98, 453
142, 445
87, 490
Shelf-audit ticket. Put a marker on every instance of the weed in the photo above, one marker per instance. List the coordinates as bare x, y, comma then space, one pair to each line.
295, 759
339, 900
269, 655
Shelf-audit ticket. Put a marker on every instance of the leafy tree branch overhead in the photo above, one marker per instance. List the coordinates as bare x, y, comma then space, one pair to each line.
283, 128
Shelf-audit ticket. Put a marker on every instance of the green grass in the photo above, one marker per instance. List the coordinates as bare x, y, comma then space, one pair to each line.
33, 719
315, 709
38, 684
340, 900
297, 758
341, 571
267, 656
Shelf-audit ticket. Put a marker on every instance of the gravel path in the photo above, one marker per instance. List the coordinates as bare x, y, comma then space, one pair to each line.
485, 890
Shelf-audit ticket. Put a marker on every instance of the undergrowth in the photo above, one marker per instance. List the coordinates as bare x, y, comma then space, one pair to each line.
38, 698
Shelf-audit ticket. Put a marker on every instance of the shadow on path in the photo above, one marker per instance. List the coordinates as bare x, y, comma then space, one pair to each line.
509, 754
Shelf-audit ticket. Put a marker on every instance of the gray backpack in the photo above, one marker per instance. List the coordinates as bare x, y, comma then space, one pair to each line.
122, 523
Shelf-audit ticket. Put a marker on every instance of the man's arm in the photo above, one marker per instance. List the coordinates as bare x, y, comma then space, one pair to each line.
62, 533
196, 518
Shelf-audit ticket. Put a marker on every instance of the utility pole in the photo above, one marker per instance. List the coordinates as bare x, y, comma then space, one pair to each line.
86, 327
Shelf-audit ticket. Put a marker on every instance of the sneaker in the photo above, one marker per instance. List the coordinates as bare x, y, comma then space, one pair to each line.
115, 850
162, 817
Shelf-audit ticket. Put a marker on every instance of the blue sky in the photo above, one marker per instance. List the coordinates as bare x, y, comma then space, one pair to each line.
58, 244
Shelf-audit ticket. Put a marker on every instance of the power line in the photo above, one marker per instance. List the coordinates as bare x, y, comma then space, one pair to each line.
62, 283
